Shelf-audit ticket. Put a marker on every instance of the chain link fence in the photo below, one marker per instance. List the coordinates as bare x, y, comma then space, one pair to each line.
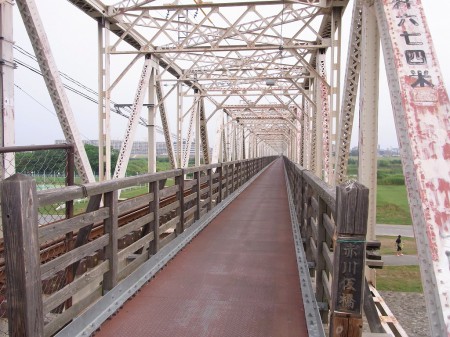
51, 166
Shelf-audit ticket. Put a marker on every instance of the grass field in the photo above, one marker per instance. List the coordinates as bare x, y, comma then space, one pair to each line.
399, 278
392, 205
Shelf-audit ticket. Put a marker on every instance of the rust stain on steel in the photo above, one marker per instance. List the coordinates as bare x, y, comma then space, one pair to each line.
423, 128
238, 277
427, 107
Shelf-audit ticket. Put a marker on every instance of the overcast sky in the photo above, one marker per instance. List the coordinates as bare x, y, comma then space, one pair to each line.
73, 39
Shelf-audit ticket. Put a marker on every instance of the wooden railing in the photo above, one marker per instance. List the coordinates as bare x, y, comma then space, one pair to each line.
333, 225
54, 272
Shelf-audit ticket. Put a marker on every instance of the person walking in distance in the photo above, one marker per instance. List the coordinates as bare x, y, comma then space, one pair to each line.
399, 245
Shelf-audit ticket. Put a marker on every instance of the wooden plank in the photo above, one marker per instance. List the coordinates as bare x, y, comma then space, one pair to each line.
180, 210
204, 179
169, 207
22, 263
314, 205
328, 257
190, 211
313, 247
71, 289
168, 191
188, 184
58, 229
59, 263
134, 203
130, 267
314, 228
326, 286
135, 246
134, 225
324, 191
57, 323
168, 238
370, 310
329, 225
111, 225
172, 223
190, 197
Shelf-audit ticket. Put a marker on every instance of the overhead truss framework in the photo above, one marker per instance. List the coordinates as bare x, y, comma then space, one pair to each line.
252, 59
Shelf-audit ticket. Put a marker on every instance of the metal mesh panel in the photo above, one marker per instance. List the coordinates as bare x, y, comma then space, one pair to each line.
51, 167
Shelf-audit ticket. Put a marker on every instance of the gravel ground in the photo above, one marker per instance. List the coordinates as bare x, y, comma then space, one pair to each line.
410, 311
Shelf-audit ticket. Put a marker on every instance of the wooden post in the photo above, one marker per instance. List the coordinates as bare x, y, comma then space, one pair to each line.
22, 258
227, 187
111, 225
209, 205
232, 177
352, 202
154, 225
220, 195
197, 176
180, 196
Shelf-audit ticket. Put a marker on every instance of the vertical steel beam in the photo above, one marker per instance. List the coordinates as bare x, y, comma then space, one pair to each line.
7, 137
351, 84
316, 132
180, 124
197, 130
127, 144
422, 117
368, 118
187, 150
204, 132
41, 46
151, 121
217, 156
323, 140
335, 83
165, 124
104, 117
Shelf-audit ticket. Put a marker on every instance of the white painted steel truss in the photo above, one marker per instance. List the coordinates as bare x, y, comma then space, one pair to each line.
269, 73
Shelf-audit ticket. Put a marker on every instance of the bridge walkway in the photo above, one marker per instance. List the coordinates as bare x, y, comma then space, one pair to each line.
238, 277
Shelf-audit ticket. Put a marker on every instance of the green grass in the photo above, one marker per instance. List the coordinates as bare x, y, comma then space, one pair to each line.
392, 205
399, 278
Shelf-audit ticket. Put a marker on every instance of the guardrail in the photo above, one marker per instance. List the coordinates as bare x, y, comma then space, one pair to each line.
98, 254
333, 225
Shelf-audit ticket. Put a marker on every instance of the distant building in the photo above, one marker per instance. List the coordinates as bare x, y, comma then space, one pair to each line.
140, 148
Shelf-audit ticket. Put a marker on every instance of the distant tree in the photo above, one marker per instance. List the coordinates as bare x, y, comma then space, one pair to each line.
92, 154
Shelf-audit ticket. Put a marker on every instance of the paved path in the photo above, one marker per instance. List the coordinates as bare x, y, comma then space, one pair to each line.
394, 230
238, 277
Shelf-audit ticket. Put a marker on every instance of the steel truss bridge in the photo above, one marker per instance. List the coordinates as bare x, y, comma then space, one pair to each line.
262, 78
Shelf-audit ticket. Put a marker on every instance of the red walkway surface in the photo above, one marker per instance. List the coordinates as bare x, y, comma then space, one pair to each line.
238, 277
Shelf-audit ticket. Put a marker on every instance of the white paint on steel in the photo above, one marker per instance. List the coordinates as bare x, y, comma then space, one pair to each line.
125, 150
351, 84
422, 118
7, 122
42, 50
368, 118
